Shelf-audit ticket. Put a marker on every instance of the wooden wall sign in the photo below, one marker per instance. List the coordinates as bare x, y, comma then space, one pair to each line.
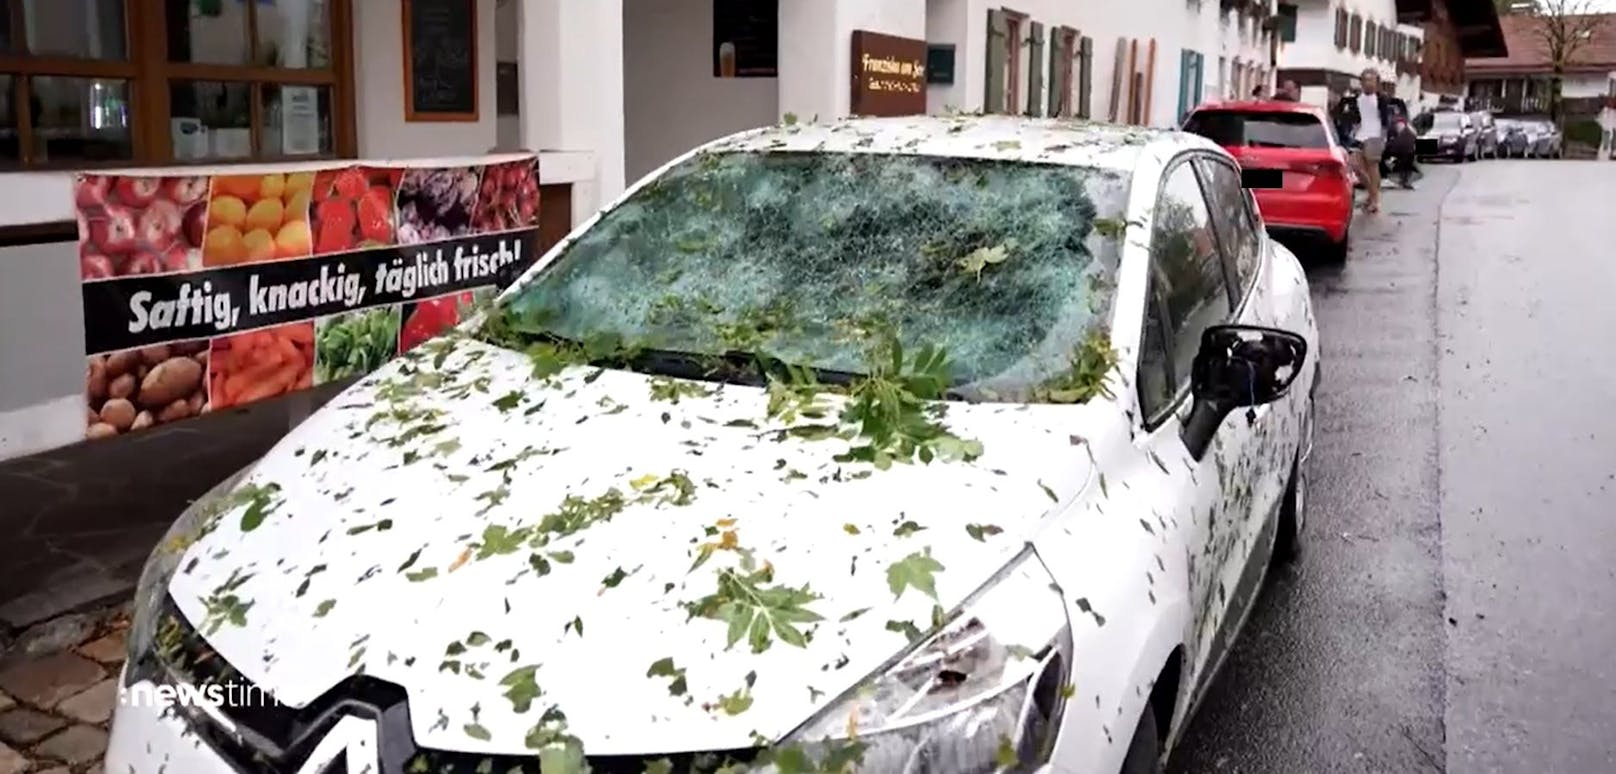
440, 60
889, 75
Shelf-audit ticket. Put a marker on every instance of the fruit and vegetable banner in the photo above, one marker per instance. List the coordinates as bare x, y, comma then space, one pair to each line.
204, 292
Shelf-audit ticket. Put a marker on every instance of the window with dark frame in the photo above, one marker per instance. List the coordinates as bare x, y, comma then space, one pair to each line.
132, 82
1355, 34
1340, 28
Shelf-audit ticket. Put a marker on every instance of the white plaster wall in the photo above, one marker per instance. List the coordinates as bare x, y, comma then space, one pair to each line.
571, 76
946, 22
379, 89
1315, 47
1175, 25
671, 101
816, 48
1581, 85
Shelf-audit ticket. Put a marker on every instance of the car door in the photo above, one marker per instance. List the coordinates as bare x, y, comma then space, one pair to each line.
1190, 291
1257, 471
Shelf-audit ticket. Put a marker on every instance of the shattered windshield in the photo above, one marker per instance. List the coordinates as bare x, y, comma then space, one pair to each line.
1006, 267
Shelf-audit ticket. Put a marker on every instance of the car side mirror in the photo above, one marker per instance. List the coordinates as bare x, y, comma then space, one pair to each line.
1238, 366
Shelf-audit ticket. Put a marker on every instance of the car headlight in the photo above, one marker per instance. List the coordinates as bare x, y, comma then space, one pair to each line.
984, 693
152, 589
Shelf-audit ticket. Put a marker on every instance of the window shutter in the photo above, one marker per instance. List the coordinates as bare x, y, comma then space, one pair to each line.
1035, 71
1200, 74
1184, 59
1060, 57
1085, 80
997, 54
1355, 34
1371, 36
1340, 28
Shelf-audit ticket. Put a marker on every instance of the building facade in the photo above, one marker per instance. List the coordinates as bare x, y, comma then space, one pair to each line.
1418, 46
1519, 84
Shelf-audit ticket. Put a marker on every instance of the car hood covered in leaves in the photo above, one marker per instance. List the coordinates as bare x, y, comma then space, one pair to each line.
500, 545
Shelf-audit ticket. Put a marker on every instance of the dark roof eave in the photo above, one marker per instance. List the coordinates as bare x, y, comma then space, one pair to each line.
1517, 68
1480, 32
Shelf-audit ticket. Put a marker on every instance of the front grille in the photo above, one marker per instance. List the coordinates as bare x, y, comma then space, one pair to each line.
277, 739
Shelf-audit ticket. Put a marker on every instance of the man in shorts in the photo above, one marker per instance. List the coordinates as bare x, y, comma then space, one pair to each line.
1363, 119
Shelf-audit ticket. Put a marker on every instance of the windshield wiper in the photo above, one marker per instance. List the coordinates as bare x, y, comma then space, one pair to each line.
737, 366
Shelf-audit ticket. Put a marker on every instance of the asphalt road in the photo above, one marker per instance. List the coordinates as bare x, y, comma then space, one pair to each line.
1453, 609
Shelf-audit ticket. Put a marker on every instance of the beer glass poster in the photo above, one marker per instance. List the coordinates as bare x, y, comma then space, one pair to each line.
204, 292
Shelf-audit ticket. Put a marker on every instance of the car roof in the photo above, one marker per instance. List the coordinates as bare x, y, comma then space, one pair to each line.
1070, 142
1264, 106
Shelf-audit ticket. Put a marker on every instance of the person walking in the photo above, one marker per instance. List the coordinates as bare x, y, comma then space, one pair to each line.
1363, 118
1289, 92
1607, 129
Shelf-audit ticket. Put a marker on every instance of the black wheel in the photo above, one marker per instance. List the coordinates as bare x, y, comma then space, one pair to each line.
1335, 253
1144, 752
1292, 516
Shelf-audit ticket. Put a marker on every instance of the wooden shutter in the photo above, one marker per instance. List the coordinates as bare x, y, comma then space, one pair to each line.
1200, 77
998, 54
1340, 28
1085, 78
1184, 59
1060, 70
1035, 70
1371, 37
1355, 34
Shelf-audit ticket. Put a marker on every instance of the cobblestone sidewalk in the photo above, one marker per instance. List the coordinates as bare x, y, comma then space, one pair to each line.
58, 685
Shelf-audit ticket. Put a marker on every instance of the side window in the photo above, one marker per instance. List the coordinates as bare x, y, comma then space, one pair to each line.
1156, 386
1187, 267
1236, 231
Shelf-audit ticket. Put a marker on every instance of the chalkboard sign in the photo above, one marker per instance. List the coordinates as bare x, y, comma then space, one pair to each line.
746, 38
440, 60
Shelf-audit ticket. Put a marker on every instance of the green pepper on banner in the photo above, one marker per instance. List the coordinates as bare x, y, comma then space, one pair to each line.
203, 292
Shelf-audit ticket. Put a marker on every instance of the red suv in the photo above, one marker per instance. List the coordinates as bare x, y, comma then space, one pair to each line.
1314, 198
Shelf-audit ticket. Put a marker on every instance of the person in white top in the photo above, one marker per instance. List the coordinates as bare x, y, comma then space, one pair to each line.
1363, 119
1607, 129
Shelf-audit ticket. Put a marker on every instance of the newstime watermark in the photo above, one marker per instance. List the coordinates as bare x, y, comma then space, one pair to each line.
219, 696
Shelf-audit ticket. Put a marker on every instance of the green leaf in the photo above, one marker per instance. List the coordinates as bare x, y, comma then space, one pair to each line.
905, 628
918, 571
476, 731
508, 401
906, 529
1005, 756
425, 573
261, 501
979, 532
521, 688
756, 611
324, 607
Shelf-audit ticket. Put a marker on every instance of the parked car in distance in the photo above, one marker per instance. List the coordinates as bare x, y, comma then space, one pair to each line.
1545, 138
1486, 134
947, 334
1513, 142
1314, 200
1446, 134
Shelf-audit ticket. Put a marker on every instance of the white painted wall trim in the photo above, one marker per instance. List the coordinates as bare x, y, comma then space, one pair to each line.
41, 426
27, 198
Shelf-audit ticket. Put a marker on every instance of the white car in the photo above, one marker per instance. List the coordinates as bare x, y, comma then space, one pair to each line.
935, 444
